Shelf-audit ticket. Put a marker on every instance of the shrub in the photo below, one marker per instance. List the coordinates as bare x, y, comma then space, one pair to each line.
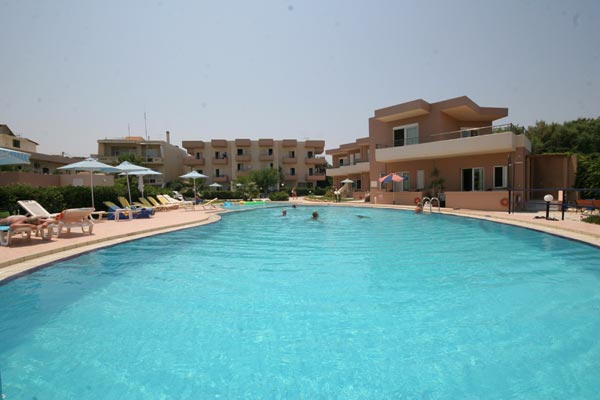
592, 219
279, 196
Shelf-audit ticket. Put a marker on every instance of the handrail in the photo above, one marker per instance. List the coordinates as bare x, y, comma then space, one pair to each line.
430, 201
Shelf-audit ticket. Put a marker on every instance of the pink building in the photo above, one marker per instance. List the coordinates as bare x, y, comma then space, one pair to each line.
450, 150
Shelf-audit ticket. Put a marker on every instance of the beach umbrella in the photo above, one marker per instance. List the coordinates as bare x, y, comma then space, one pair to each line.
129, 168
193, 175
347, 181
90, 165
215, 185
13, 157
393, 177
140, 175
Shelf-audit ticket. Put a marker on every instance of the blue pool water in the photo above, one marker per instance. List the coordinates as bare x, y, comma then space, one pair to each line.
259, 306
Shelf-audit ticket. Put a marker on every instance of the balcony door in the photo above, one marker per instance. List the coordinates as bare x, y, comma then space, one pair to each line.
472, 179
406, 135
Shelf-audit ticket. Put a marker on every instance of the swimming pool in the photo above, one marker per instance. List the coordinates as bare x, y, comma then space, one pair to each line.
361, 303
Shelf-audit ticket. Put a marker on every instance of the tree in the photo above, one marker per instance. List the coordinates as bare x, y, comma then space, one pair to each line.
266, 179
132, 158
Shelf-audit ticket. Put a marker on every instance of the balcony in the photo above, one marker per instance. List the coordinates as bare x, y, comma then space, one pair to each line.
192, 161
346, 170
266, 142
472, 142
221, 179
242, 157
315, 161
266, 157
315, 177
288, 177
192, 144
242, 142
113, 160
220, 161
289, 142
218, 143
152, 160
289, 160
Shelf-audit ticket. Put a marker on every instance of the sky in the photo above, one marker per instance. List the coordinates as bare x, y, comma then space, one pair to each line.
73, 72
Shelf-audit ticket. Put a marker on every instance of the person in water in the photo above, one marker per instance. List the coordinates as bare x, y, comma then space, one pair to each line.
419, 208
315, 215
283, 212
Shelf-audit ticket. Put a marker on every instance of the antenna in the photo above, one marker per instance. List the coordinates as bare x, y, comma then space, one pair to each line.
145, 125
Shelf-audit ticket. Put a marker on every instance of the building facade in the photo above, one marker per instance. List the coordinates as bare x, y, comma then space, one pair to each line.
450, 150
42, 169
158, 155
224, 161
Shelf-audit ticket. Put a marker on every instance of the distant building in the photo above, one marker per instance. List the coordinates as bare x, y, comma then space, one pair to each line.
224, 161
42, 170
159, 155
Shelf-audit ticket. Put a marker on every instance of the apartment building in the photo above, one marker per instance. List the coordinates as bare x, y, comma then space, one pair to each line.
224, 161
42, 168
351, 161
159, 155
450, 150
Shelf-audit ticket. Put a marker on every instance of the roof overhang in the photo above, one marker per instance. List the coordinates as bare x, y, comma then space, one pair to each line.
411, 109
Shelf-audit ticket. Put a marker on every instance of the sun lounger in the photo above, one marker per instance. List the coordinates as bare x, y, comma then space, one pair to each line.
116, 213
210, 204
187, 204
162, 201
158, 207
136, 204
34, 209
75, 218
7, 233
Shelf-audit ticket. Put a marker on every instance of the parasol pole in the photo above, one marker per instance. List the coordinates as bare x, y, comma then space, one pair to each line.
92, 187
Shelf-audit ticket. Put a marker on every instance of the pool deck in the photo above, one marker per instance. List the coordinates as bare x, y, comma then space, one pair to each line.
24, 255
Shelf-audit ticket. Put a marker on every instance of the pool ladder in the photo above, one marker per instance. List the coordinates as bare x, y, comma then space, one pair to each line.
427, 200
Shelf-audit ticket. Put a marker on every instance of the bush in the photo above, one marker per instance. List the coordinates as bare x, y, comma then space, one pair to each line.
219, 194
279, 196
592, 219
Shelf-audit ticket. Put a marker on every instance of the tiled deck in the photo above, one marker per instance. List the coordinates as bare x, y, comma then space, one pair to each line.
27, 254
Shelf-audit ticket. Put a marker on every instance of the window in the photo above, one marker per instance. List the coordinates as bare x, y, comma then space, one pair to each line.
217, 155
16, 144
404, 185
198, 156
292, 171
271, 165
310, 154
310, 172
240, 167
341, 162
420, 179
291, 154
406, 135
217, 172
472, 179
358, 184
500, 177
240, 152
270, 152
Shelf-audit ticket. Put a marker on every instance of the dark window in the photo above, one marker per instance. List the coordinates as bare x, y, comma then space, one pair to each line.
270, 152
398, 137
240, 152
16, 144
292, 171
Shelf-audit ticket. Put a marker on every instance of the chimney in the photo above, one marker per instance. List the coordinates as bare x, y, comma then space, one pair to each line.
168, 137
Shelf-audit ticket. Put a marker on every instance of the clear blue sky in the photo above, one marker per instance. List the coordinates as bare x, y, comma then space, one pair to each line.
72, 72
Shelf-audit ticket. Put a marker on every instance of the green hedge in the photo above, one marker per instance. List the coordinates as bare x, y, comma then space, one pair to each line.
55, 199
